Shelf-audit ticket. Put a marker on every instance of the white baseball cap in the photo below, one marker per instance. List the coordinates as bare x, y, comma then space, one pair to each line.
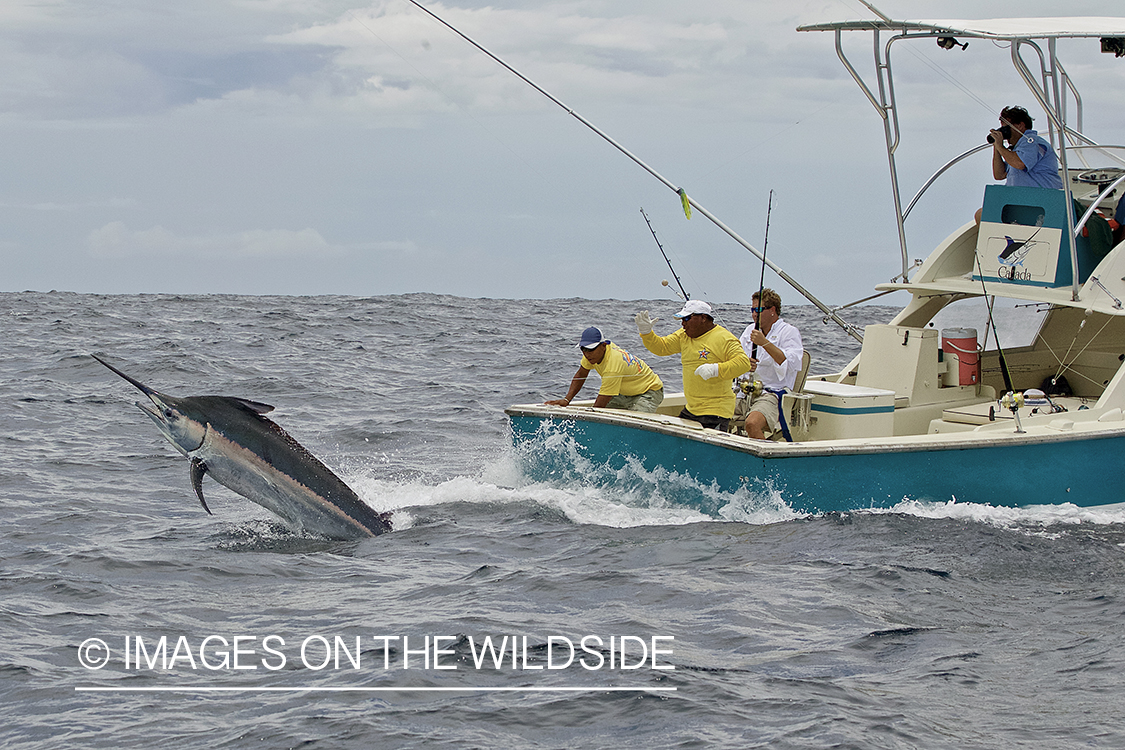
694, 307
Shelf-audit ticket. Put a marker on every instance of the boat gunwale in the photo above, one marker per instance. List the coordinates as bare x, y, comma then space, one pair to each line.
1002, 436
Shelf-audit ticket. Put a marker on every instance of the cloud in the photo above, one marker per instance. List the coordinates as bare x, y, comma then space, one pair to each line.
116, 240
389, 63
81, 60
397, 58
114, 203
73, 60
368, 119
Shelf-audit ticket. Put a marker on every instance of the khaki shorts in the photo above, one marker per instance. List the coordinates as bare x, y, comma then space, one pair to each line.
646, 402
765, 404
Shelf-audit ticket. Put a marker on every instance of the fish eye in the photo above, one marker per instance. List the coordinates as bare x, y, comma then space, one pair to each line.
169, 414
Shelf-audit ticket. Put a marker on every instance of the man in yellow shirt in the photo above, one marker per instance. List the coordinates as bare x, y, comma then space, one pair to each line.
627, 382
711, 357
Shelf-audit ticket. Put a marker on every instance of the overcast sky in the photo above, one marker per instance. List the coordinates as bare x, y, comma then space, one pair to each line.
328, 146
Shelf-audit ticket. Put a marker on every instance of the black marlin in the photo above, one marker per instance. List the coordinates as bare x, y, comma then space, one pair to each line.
229, 439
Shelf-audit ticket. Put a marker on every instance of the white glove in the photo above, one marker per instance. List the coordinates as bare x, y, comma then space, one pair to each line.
644, 322
708, 371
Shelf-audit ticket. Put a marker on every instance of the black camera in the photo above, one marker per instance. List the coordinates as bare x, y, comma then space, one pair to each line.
1005, 130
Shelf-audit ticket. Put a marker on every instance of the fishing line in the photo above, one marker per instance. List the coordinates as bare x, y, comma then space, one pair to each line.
1063, 365
452, 100
1070, 369
1077, 331
765, 141
927, 61
918, 55
549, 95
937, 68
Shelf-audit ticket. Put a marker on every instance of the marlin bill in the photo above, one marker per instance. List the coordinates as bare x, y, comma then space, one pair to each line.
230, 439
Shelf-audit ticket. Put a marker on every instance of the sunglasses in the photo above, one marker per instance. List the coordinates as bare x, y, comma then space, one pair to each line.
687, 318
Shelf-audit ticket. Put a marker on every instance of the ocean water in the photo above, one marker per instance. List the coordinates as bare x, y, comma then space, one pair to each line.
500, 612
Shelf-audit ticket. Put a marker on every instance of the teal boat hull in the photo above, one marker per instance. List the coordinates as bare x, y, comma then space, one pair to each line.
697, 468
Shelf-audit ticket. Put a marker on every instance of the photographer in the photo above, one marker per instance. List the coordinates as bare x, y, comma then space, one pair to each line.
1029, 161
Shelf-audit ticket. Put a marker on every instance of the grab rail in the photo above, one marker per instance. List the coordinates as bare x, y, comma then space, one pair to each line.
1094, 206
940, 172
961, 157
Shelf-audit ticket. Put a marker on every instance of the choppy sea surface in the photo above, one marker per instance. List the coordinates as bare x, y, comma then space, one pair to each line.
500, 612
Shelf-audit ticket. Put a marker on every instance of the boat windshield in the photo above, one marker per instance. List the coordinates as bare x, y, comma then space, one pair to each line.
1016, 322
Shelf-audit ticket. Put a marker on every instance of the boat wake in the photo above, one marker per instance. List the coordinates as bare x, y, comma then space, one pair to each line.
1026, 517
586, 493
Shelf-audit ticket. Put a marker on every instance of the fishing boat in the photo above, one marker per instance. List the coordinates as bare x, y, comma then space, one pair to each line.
925, 412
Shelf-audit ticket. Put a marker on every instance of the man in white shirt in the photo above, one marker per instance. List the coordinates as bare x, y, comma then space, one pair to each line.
775, 350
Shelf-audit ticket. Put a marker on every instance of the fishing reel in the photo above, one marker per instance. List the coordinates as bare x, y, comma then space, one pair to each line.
1031, 397
752, 388
1013, 402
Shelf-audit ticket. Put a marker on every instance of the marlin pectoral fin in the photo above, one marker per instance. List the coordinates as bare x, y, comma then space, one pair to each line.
198, 469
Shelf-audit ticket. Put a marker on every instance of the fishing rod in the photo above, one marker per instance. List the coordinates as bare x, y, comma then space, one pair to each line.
995, 333
687, 201
1012, 248
682, 294
762, 281
675, 275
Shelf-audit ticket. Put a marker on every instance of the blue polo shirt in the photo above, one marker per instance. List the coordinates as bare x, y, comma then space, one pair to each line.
1042, 166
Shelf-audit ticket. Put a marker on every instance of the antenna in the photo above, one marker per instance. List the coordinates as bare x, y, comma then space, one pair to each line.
876, 11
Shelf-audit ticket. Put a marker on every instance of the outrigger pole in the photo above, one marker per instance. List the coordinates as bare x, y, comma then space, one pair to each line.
829, 313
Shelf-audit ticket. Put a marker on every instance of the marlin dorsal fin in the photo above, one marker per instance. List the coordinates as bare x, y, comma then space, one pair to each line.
255, 406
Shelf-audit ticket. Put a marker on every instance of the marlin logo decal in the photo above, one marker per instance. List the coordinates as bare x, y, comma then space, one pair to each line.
1016, 250
229, 439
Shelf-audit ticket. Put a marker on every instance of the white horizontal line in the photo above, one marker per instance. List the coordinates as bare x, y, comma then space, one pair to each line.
600, 689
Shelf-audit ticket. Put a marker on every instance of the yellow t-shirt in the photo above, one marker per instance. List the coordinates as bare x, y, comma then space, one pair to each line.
718, 346
622, 373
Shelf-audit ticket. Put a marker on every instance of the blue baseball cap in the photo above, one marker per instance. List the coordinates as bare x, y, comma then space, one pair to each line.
591, 338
